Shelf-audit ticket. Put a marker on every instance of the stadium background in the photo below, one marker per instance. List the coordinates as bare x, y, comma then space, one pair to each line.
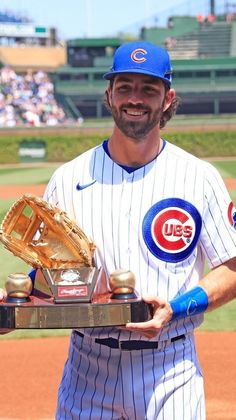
203, 52
202, 49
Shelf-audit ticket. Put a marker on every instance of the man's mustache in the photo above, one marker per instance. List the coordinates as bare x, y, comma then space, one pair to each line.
137, 107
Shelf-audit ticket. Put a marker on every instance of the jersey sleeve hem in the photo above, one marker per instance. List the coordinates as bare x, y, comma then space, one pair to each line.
224, 258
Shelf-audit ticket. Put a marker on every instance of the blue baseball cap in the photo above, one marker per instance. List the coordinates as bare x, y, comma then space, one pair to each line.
141, 57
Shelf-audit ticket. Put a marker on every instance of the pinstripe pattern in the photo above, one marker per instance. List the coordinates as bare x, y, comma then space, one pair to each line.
100, 383
126, 390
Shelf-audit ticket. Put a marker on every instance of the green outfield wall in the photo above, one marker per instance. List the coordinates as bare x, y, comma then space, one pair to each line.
65, 146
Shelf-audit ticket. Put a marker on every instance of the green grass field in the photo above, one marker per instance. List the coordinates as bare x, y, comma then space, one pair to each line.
221, 319
24, 176
226, 168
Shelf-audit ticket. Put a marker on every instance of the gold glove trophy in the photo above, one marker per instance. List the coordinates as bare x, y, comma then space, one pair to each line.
64, 293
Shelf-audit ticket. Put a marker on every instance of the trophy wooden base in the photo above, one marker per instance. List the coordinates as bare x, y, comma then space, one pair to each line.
43, 313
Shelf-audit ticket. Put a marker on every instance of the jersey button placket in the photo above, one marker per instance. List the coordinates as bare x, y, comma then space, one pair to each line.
125, 215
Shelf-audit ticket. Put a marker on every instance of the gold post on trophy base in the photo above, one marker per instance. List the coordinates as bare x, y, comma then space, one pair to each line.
122, 283
18, 288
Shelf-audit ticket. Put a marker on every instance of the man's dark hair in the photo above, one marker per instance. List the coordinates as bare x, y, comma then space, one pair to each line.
170, 112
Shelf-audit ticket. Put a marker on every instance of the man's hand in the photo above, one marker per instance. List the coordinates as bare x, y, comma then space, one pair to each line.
162, 314
2, 295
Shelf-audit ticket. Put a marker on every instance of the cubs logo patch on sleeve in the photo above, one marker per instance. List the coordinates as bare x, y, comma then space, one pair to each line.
171, 229
232, 215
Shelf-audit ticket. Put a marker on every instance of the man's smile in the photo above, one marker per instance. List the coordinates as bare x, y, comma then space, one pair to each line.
134, 113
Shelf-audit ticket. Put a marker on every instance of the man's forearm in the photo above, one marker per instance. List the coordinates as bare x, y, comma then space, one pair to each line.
220, 284
214, 290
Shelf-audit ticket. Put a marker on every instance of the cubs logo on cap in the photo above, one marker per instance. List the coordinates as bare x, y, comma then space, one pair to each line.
171, 229
232, 215
138, 55
141, 57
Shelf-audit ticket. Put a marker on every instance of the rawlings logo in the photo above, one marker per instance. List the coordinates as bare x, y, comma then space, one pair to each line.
171, 229
138, 55
72, 291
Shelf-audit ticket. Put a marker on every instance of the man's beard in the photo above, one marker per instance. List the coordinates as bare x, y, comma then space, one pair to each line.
136, 130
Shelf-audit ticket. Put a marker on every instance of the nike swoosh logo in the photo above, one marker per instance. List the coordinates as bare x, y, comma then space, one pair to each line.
81, 187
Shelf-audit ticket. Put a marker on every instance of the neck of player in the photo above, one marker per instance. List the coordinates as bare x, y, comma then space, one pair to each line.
132, 152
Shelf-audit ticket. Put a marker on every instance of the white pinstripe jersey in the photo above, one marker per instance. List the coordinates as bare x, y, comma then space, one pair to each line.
161, 222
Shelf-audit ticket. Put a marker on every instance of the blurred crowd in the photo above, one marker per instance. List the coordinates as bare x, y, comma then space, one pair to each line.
28, 100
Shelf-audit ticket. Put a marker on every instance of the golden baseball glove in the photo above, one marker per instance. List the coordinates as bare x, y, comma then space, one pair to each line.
44, 236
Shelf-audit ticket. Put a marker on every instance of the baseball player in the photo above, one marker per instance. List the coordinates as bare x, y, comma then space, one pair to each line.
159, 212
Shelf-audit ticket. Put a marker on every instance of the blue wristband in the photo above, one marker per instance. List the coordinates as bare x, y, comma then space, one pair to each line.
190, 303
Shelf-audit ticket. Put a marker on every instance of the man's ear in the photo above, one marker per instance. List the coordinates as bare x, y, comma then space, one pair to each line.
108, 95
170, 95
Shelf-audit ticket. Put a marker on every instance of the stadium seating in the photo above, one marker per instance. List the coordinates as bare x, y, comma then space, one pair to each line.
208, 40
28, 99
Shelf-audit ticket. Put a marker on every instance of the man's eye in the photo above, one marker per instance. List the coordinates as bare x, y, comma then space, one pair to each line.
150, 89
123, 88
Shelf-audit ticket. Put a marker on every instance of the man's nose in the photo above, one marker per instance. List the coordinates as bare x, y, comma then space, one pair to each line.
135, 97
